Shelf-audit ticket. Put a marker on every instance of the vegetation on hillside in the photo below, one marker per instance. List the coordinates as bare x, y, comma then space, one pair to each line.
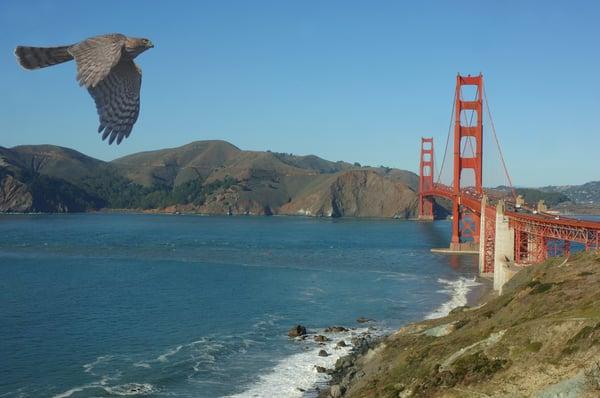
588, 193
533, 196
52, 194
117, 192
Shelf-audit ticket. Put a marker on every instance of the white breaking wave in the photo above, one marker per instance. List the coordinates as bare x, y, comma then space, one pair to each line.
458, 291
165, 357
89, 367
129, 389
297, 373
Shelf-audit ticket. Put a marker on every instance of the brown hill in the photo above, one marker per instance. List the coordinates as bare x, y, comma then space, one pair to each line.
53, 161
212, 177
354, 193
174, 166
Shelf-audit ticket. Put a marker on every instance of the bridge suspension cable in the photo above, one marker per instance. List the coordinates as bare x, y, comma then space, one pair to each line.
447, 139
487, 107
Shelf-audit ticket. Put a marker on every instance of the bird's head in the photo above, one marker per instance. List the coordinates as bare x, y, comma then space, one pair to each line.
135, 46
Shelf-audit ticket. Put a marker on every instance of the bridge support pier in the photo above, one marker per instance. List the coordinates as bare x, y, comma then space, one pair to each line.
482, 241
504, 257
487, 241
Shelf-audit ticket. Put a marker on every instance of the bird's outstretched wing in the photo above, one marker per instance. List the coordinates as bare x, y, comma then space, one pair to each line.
117, 99
96, 56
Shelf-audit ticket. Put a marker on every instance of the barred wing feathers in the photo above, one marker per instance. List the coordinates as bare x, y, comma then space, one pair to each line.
117, 99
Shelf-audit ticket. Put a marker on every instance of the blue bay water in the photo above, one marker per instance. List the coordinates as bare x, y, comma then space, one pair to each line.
98, 305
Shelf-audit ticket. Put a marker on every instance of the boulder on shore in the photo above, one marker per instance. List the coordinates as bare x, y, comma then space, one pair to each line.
336, 391
321, 338
297, 331
335, 329
323, 353
362, 319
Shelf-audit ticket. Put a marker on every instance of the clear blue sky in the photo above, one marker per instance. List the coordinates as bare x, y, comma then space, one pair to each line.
354, 81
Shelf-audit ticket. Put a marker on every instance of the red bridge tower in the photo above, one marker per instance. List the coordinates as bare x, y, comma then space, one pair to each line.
426, 179
465, 223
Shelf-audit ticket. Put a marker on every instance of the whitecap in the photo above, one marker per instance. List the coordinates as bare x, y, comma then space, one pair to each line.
131, 389
458, 291
128, 389
89, 367
165, 357
73, 390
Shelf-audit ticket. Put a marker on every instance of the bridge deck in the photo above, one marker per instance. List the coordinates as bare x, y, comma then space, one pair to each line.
546, 225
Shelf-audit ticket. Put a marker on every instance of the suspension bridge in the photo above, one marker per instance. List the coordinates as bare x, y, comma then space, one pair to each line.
498, 225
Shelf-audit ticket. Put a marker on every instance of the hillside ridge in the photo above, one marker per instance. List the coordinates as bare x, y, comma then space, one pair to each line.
213, 177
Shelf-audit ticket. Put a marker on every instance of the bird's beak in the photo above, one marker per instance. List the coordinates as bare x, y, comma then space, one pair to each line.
150, 44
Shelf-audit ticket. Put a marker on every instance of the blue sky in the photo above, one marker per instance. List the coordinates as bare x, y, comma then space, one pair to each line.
354, 81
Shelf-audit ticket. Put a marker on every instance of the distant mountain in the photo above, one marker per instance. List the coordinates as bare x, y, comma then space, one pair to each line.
585, 194
213, 177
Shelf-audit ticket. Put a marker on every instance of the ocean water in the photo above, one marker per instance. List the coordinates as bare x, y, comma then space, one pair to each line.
103, 305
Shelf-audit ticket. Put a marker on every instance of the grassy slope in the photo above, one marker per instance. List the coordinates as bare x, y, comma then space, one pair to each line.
174, 166
547, 327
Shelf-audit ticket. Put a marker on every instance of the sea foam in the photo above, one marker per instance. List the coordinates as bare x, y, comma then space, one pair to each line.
124, 390
296, 375
458, 291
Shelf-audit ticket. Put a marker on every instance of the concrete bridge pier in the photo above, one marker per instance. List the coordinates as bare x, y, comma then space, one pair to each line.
482, 236
504, 258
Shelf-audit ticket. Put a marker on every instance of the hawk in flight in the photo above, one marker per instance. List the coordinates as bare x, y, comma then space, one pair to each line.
105, 67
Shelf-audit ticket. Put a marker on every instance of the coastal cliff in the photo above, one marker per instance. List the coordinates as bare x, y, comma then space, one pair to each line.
540, 338
355, 193
24, 189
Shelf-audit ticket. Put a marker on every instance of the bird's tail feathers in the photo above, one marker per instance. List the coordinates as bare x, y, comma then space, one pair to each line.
40, 57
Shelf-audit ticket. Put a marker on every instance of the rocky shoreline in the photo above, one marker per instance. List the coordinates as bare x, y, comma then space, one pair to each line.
353, 342
540, 338
350, 369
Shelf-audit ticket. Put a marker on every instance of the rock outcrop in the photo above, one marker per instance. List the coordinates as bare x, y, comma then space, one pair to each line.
355, 193
297, 331
15, 196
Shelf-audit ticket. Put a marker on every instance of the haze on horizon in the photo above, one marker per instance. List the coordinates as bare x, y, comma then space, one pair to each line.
342, 80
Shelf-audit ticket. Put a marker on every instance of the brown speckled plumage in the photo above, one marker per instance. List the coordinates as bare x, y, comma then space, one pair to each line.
105, 67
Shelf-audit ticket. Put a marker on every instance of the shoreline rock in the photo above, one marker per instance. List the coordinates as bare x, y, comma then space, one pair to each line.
347, 369
362, 319
297, 331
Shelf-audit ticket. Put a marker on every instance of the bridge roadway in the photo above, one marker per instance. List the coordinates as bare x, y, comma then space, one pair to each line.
548, 226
